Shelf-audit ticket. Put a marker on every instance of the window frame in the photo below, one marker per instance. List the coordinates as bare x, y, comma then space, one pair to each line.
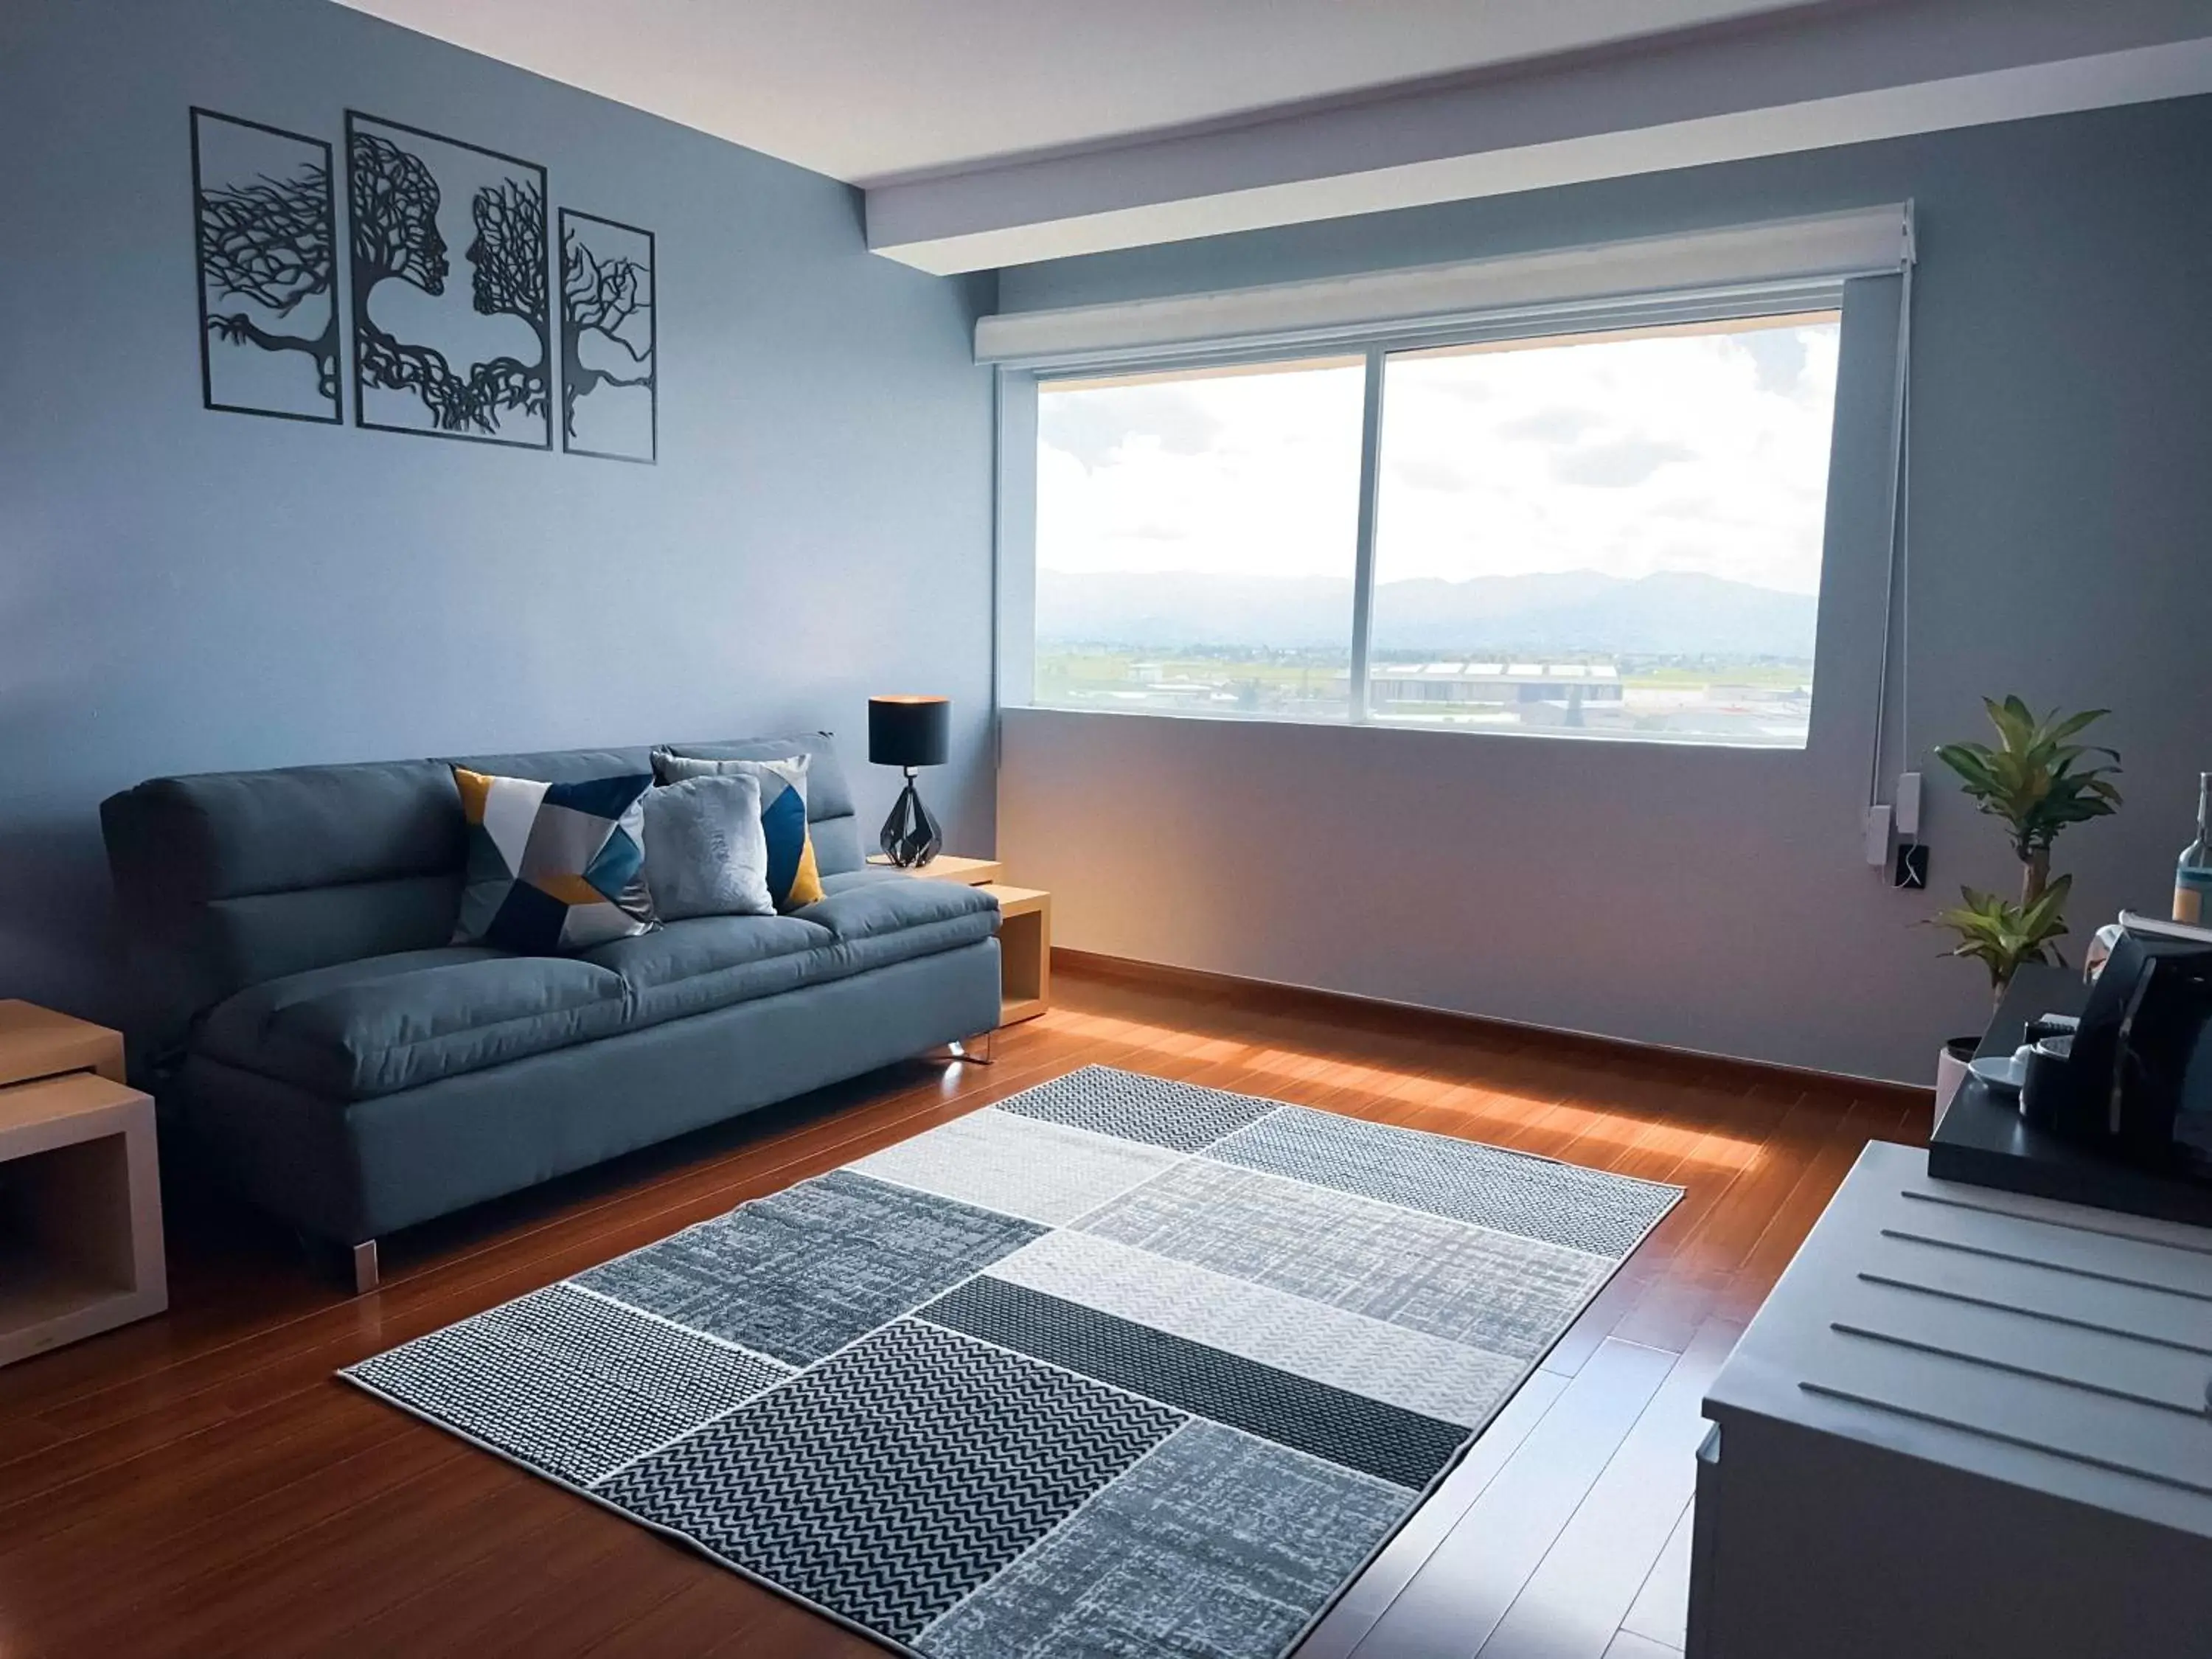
1019, 385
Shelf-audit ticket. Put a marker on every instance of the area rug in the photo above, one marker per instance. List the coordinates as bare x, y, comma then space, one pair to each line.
1117, 1366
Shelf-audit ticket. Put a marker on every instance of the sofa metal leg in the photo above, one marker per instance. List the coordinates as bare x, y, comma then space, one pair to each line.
364, 1267
980, 1049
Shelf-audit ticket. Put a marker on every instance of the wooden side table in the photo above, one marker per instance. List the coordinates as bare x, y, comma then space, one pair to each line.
36, 1043
1025, 930
1024, 952
950, 866
79, 1186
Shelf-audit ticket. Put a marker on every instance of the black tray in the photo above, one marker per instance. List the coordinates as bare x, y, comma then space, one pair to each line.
1983, 1140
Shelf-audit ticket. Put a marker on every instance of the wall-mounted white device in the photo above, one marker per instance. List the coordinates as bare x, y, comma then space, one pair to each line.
1908, 805
1877, 836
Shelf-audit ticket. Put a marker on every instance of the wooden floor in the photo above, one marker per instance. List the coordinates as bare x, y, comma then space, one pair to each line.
199, 1484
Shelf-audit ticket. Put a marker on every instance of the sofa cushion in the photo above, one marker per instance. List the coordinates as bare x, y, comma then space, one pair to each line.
317, 866
866, 876
875, 922
713, 962
794, 877
553, 866
832, 825
353, 1171
706, 853
384, 1024
376, 1026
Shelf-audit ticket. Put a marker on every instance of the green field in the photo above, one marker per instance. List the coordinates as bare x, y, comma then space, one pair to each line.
1265, 682
1300, 677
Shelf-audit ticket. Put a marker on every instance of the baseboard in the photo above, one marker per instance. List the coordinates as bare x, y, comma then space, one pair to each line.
1381, 1013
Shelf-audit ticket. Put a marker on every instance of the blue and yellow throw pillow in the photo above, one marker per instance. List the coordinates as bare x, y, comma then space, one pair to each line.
793, 879
553, 866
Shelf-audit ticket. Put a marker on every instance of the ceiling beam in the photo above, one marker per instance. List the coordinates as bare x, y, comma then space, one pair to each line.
1834, 73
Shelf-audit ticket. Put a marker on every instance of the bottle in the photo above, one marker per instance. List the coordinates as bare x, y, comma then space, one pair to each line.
2192, 877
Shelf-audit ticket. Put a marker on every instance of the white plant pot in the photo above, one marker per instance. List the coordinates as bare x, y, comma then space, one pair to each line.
1952, 1061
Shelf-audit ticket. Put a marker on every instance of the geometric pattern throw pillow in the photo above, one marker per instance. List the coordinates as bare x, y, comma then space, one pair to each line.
794, 878
553, 866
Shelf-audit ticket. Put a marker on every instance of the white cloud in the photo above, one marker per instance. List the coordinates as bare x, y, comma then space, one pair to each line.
1275, 491
1705, 453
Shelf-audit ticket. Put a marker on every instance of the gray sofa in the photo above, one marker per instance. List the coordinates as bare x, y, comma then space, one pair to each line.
353, 1072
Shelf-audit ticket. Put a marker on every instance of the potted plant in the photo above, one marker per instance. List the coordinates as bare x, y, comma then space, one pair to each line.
2037, 781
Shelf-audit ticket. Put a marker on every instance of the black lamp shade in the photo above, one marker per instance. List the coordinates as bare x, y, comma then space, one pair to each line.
909, 730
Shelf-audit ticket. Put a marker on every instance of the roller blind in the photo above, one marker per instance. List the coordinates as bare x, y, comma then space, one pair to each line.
1778, 266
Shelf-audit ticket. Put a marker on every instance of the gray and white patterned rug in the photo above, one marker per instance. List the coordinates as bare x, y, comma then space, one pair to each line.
1115, 1367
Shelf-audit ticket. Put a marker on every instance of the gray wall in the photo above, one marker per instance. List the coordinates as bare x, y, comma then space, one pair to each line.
1717, 899
184, 590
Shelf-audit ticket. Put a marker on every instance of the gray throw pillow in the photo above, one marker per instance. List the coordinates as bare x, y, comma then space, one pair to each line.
794, 880
706, 853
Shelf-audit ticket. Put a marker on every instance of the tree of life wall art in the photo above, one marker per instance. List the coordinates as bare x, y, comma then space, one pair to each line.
452, 330
609, 371
266, 227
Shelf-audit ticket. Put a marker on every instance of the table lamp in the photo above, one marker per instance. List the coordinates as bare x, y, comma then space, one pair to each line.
910, 731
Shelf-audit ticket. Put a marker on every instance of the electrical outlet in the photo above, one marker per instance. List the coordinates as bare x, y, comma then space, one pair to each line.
1912, 865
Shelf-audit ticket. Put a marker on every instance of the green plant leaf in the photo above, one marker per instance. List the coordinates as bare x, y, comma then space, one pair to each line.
2003, 935
2035, 780
2013, 722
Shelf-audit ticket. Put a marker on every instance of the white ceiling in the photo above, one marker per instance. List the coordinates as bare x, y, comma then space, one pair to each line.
989, 133
865, 90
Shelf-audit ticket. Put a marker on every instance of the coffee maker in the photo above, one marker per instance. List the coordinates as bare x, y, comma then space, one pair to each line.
2134, 1078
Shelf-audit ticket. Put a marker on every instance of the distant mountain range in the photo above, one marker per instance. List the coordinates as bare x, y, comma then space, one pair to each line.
1570, 612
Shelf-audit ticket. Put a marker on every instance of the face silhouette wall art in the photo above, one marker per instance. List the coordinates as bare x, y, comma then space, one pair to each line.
452, 329
266, 224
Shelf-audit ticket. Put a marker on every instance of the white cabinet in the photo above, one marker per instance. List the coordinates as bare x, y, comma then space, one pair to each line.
1966, 1422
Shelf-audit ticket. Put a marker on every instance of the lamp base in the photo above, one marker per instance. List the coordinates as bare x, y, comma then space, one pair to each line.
912, 835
